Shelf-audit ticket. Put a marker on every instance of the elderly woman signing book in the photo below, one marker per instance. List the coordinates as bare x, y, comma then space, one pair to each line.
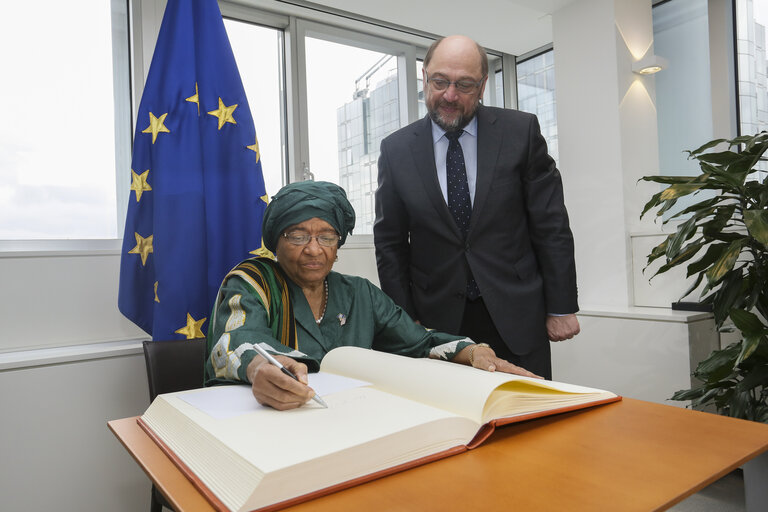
297, 309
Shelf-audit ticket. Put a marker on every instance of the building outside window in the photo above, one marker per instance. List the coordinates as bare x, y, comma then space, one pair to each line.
751, 42
349, 112
536, 94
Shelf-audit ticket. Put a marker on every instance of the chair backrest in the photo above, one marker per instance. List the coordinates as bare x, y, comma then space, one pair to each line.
174, 365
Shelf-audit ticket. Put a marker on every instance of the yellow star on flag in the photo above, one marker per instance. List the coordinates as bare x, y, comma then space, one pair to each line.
139, 184
156, 126
192, 329
265, 198
157, 299
255, 148
143, 247
262, 251
224, 113
195, 98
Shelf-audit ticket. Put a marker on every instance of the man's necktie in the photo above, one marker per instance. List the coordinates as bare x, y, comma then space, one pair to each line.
459, 202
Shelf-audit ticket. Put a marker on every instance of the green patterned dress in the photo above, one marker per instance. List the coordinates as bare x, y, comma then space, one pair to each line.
257, 303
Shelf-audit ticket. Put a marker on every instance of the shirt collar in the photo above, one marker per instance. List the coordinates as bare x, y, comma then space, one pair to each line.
438, 133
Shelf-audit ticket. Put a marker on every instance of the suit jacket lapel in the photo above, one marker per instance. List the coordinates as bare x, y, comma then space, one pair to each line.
489, 139
423, 151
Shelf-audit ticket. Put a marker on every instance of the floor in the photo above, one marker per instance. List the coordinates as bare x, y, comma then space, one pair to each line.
725, 495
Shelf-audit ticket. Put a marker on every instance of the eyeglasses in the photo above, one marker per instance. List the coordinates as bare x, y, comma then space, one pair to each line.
463, 86
297, 238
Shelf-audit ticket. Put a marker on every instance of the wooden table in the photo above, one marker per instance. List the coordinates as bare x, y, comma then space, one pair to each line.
629, 455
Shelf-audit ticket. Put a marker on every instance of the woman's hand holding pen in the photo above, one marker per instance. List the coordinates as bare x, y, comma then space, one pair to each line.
272, 387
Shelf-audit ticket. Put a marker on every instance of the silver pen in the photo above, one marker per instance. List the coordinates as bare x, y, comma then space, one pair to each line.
266, 355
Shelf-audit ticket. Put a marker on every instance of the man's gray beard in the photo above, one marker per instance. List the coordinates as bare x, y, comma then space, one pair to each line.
458, 124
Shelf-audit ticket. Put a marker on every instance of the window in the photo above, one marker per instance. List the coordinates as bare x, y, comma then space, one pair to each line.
350, 111
499, 88
67, 118
322, 99
536, 94
258, 52
751, 44
420, 88
681, 36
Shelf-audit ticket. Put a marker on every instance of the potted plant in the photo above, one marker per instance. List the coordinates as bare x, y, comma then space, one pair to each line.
723, 240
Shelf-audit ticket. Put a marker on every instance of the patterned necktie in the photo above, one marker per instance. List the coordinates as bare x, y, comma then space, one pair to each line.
459, 202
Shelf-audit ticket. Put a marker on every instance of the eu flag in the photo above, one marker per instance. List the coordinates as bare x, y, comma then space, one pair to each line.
197, 190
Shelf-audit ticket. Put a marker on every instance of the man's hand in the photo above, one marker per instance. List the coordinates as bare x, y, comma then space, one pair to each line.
561, 328
272, 387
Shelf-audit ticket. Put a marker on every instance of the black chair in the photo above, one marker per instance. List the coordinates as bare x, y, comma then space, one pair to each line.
173, 366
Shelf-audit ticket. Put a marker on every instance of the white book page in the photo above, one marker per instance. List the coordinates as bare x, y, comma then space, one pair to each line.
236, 400
272, 439
457, 388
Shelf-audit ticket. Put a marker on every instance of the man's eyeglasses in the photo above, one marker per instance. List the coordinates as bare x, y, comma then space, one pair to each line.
463, 86
326, 240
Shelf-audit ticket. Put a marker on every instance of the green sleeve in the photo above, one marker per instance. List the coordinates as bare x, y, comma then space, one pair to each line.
397, 333
239, 320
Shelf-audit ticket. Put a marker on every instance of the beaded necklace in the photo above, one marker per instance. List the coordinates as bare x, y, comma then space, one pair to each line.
325, 303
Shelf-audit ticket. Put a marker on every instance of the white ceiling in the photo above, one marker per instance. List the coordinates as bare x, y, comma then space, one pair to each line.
510, 26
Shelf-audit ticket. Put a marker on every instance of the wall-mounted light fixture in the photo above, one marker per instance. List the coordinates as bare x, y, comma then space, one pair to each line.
649, 65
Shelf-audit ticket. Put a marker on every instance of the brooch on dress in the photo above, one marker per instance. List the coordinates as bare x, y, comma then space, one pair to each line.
342, 319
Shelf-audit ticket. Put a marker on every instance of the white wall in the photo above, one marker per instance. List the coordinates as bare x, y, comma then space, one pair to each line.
53, 298
57, 452
607, 138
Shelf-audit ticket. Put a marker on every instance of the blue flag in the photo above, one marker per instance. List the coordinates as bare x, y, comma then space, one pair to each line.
197, 191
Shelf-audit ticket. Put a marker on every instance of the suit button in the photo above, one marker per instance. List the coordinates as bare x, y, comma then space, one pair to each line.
466, 247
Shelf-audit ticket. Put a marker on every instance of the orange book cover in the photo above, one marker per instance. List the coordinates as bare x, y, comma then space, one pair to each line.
392, 413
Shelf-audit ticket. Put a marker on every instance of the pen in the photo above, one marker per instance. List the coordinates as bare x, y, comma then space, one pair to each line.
266, 355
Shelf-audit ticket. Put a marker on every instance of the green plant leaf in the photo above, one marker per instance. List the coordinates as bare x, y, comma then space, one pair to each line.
757, 377
726, 178
728, 296
719, 362
707, 146
744, 139
680, 190
695, 285
668, 180
748, 323
658, 251
721, 158
739, 405
726, 261
688, 252
714, 252
654, 201
757, 225
688, 394
666, 207
719, 221
684, 232
702, 208
748, 347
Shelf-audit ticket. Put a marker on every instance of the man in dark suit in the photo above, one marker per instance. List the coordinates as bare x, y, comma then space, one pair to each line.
471, 231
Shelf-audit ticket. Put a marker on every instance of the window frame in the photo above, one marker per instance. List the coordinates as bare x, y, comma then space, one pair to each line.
297, 21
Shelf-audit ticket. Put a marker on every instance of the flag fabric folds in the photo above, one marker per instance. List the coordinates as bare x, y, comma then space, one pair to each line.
197, 191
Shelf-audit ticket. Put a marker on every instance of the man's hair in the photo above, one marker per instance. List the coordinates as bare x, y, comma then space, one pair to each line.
480, 50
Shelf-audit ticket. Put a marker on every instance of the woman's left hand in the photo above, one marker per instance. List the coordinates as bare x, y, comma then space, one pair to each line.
484, 358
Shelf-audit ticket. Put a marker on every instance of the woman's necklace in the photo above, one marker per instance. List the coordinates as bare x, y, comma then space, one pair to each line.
325, 303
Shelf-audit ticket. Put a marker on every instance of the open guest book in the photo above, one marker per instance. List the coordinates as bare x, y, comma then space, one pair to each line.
386, 413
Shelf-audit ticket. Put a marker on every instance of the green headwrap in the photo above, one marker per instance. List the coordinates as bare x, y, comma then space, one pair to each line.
304, 200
